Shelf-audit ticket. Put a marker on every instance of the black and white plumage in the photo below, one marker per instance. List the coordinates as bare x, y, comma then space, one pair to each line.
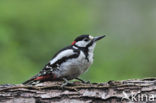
70, 62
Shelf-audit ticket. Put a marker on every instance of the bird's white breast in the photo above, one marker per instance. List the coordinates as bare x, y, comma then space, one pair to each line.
76, 66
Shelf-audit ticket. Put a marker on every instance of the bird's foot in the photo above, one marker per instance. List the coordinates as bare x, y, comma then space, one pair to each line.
87, 82
66, 82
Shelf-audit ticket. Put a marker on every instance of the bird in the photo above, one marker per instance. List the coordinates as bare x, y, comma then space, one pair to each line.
70, 62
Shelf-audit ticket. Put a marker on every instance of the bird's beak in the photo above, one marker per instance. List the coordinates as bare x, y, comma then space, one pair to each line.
98, 38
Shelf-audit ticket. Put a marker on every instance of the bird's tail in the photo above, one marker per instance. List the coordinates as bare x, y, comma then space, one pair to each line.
39, 78
30, 81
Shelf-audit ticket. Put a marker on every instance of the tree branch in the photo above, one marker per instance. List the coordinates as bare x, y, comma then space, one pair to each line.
138, 90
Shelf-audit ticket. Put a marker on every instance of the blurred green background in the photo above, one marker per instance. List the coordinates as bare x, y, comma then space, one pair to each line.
32, 31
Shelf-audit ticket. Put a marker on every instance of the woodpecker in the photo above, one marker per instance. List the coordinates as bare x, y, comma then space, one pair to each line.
70, 62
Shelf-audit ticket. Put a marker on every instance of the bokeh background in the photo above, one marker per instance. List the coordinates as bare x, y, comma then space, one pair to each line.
32, 31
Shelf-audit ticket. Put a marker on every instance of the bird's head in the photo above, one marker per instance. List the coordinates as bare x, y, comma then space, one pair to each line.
86, 41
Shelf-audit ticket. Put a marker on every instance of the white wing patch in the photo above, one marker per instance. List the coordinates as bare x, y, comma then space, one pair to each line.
62, 54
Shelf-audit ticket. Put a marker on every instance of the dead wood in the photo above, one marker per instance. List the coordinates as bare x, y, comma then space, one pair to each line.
126, 91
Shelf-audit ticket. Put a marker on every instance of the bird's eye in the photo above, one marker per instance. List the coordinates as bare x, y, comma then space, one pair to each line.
86, 39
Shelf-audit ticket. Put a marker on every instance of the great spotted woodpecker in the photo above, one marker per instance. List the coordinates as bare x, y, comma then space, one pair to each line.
70, 62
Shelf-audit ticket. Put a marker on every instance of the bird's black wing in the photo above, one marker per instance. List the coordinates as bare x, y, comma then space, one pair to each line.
61, 56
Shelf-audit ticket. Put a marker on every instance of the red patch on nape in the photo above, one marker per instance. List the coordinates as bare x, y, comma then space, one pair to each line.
73, 42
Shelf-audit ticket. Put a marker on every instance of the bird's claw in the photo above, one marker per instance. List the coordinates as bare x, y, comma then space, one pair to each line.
66, 82
87, 82
63, 85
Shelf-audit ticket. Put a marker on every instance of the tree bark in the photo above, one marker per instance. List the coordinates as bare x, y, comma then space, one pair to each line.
126, 91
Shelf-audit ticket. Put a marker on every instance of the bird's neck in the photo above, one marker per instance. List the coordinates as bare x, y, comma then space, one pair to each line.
88, 51
91, 48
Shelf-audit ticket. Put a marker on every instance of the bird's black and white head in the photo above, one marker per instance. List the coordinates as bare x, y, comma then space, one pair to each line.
86, 41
